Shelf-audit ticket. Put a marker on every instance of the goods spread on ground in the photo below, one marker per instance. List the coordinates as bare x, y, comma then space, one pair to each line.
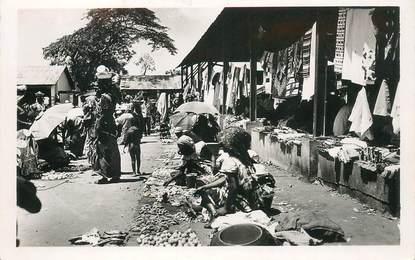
154, 218
169, 238
94, 237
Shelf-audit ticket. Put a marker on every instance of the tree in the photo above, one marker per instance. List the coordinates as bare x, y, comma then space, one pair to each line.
107, 39
146, 63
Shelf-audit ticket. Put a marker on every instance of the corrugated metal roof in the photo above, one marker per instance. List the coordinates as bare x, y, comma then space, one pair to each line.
150, 82
39, 75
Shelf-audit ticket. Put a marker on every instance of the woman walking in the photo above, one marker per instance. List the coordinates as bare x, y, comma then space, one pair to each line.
108, 156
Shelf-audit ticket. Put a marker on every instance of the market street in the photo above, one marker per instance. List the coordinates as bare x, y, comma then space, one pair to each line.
78, 205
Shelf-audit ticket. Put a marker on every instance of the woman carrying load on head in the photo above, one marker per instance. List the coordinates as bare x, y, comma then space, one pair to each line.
108, 156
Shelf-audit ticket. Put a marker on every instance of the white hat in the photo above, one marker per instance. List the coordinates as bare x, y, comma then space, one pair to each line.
103, 72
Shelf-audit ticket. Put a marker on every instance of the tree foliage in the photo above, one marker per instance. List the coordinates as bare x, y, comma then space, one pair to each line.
146, 63
107, 39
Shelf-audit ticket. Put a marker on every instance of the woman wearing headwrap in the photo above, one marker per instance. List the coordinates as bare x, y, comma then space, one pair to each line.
235, 172
108, 156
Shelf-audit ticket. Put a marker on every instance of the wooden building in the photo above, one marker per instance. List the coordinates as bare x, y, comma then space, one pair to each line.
54, 81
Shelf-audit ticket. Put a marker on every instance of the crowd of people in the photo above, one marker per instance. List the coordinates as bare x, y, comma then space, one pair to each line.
226, 182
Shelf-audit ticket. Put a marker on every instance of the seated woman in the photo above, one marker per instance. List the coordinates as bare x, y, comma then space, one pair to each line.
235, 174
190, 161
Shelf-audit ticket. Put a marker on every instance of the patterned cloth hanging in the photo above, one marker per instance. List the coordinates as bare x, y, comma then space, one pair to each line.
340, 36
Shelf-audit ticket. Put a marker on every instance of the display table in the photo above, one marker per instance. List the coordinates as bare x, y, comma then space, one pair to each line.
370, 187
298, 157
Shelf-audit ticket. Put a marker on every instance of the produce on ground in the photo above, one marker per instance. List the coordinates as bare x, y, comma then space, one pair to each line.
169, 238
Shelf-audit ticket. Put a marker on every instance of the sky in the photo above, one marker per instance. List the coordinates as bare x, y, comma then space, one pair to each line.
37, 28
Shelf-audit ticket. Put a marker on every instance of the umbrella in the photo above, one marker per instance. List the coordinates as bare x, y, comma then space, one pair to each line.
50, 119
74, 113
183, 120
197, 108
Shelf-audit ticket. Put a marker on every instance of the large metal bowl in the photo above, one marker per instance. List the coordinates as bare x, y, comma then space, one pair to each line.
243, 235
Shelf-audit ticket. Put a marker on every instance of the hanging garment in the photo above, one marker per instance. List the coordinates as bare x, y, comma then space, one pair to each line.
235, 87
210, 97
383, 104
360, 46
162, 105
229, 94
309, 70
395, 113
341, 28
361, 117
307, 43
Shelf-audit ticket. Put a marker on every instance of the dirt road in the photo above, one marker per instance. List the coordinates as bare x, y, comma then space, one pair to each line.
78, 205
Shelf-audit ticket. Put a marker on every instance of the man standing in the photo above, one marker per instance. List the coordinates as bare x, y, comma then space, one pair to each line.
146, 118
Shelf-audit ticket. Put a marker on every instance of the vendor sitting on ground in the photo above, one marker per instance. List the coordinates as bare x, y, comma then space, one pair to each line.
235, 173
190, 160
200, 146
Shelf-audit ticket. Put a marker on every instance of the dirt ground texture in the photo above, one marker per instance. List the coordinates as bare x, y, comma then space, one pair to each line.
74, 206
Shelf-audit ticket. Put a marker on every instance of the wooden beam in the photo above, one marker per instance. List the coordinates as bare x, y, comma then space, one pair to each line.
200, 81
210, 70
187, 75
253, 71
191, 76
225, 76
320, 81
316, 60
181, 76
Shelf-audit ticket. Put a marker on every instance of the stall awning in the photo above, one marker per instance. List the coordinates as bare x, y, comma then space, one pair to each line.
275, 27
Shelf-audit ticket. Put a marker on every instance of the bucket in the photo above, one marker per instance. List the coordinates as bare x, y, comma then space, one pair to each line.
191, 180
243, 235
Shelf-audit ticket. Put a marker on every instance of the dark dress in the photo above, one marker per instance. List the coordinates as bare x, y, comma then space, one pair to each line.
108, 156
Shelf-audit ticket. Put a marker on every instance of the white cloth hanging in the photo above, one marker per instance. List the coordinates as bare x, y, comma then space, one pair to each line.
162, 105
361, 117
395, 113
309, 82
360, 46
383, 103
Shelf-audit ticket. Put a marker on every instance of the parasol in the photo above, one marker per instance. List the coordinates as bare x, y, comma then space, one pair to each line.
50, 119
183, 120
74, 113
197, 108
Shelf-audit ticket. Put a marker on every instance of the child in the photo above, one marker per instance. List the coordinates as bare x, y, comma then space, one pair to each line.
132, 141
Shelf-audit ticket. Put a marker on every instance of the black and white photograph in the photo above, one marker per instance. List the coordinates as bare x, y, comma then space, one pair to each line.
209, 126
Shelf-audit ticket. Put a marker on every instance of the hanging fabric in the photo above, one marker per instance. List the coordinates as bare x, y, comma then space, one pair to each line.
229, 84
383, 104
309, 68
360, 46
235, 86
216, 88
395, 113
340, 36
162, 105
210, 97
307, 55
361, 117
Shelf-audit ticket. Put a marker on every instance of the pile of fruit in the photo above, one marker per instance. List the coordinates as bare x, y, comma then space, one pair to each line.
168, 238
155, 218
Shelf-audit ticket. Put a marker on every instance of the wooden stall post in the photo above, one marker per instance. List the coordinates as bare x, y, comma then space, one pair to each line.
191, 77
225, 86
199, 81
253, 71
181, 76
